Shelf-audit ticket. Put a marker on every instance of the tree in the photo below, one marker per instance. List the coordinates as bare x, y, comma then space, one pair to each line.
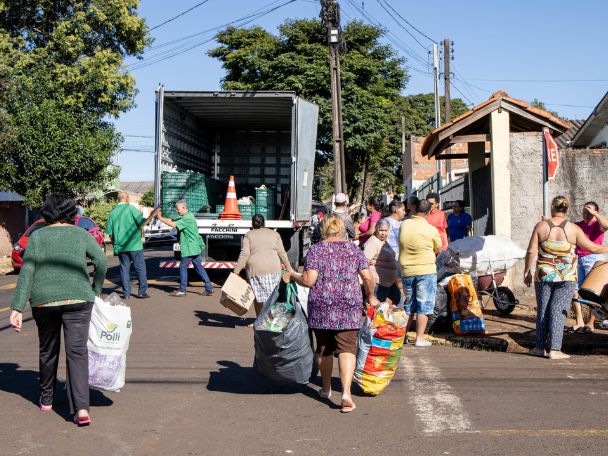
297, 59
99, 210
64, 60
147, 199
540, 105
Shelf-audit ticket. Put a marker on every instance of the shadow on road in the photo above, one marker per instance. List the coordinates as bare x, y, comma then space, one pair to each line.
236, 379
219, 320
25, 384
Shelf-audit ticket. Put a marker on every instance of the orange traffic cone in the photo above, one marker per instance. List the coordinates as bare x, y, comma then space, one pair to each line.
231, 207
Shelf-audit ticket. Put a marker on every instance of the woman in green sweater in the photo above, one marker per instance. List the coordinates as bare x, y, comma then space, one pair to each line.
55, 280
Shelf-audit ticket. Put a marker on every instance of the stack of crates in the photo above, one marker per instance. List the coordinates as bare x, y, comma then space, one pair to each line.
196, 189
247, 211
265, 202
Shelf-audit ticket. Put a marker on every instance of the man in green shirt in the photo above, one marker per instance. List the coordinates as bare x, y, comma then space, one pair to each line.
191, 247
124, 227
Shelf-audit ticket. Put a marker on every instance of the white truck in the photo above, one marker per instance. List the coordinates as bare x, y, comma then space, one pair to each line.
260, 138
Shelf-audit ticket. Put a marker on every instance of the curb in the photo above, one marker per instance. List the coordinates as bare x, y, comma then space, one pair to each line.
506, 344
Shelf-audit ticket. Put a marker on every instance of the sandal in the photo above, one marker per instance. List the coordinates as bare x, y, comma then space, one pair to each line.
82, 420
324, 395
44, 408
347, 406
584, 330
569, 329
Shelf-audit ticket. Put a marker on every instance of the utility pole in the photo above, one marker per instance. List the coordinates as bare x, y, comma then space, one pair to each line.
448, 110
330, 16
437, 106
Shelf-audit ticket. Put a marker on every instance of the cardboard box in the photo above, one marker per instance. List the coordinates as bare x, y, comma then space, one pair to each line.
237, 295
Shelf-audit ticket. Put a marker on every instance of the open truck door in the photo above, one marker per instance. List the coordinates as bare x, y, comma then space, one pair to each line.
305, 140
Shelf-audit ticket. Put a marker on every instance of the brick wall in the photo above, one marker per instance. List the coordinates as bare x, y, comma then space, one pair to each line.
418, 169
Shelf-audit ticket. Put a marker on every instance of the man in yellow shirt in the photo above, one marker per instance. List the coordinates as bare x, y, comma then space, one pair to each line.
418, 243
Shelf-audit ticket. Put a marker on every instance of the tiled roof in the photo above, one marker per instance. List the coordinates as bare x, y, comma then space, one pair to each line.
136, 187
564, 139
593, 125
10, 196
497, 98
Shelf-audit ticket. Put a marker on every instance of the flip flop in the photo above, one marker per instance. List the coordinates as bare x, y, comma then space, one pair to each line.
584, 330
348, 408
324, 395
44, 408
82, 421
569, 330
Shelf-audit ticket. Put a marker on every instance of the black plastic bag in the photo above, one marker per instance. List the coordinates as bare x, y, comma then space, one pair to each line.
284, 356
439, 321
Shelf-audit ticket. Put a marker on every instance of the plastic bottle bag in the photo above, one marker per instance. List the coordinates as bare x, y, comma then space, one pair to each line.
283, 356
109, 334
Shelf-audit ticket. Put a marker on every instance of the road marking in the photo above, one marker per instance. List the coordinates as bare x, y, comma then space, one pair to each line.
439, 409
8, 286
4, 309
545, 432
586, 376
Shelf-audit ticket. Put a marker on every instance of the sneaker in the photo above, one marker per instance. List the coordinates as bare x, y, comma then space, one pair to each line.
208, 293
143, 296
178, 294
537, 352
422, 343
556, 354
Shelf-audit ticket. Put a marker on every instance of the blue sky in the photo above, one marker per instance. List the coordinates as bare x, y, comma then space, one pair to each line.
550, 50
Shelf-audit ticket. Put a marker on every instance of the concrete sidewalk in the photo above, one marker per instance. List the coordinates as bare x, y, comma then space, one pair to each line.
515, 333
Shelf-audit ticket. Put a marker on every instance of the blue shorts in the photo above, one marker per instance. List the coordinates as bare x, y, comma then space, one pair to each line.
420, 293
585, 263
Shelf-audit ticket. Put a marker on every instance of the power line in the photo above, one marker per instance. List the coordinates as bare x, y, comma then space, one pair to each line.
409, 23
400, 24
192, 44
390, 35
138, 136
453, 84
179, 15
540, 80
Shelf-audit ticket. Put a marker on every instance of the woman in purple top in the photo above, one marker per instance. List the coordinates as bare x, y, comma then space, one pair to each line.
594, 225
335, 305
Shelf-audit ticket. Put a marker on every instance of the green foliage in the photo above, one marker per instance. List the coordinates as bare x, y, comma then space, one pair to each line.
372, 79
63, 61
297, 59
147, 199
99, 211
419, 112
541, 105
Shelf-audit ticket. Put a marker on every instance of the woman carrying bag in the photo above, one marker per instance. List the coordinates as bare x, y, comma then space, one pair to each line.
55, 280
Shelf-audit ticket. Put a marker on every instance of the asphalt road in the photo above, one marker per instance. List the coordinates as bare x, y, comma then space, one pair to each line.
191, 390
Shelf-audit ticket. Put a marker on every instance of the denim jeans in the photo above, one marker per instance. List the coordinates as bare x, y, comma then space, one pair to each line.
137, 258
585, 263
198, 267
420, 293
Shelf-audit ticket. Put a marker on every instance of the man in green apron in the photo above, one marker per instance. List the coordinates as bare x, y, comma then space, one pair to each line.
124, 227
191, 247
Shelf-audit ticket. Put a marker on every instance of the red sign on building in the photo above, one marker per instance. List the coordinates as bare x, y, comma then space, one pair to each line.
552, 154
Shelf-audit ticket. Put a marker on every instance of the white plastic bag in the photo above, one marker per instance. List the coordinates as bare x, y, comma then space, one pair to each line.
109, 334
480, 254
